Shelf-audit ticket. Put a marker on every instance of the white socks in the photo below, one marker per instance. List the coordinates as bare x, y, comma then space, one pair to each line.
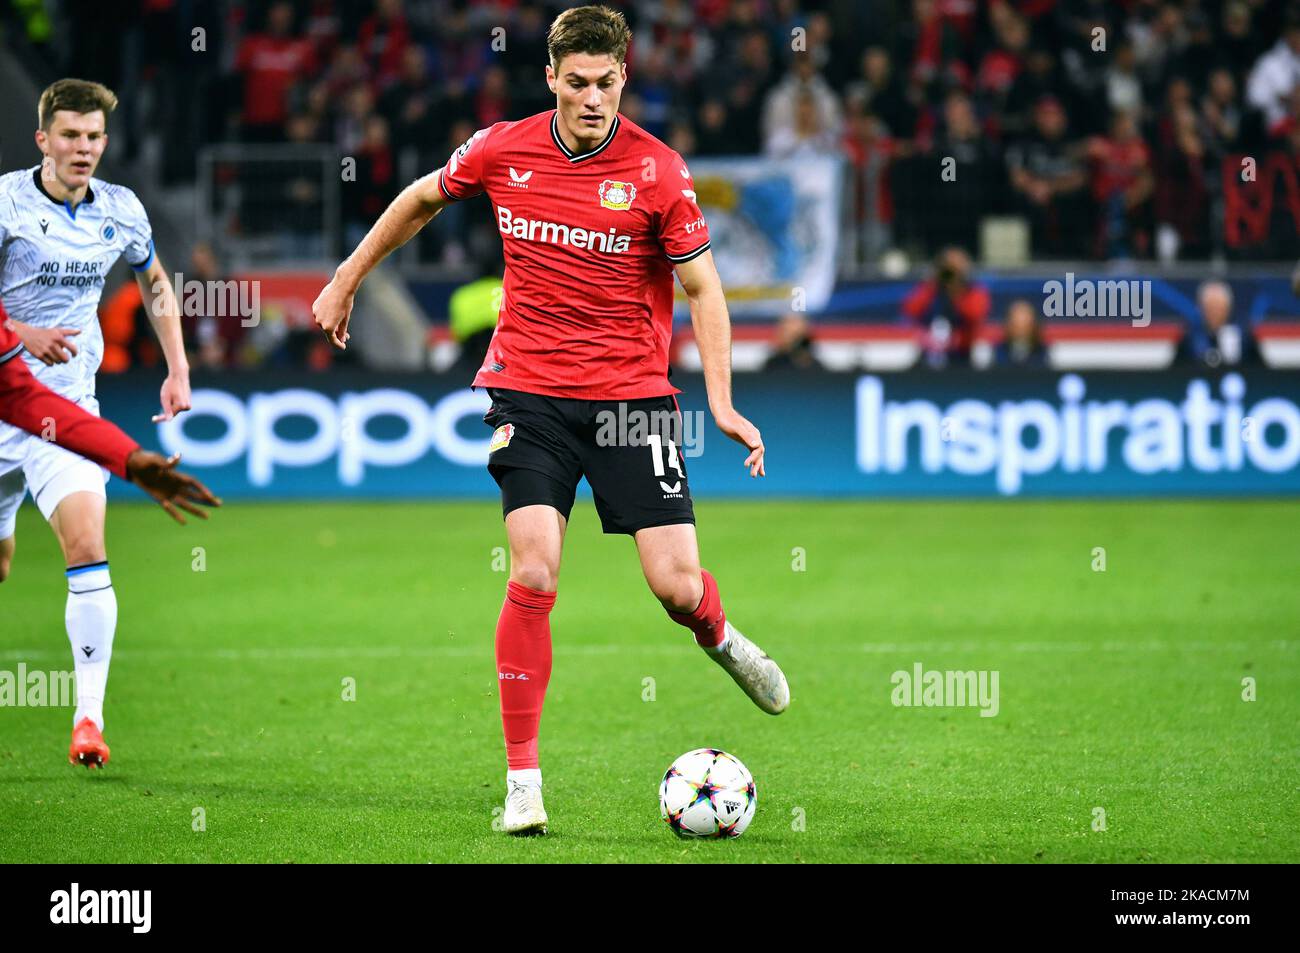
91, 618
531, 776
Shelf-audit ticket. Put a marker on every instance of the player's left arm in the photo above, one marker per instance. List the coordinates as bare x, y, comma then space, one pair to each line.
165, 315
712, 324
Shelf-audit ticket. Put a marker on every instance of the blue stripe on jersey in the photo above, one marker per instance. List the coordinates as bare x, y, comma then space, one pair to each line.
147, 262
11, 353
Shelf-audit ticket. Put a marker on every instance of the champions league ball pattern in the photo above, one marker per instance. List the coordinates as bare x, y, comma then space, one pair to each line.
708, 793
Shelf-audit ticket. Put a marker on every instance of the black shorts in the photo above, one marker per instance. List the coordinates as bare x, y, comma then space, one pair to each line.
628, 450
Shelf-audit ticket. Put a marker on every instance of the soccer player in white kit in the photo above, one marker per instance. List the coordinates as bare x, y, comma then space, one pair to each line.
61, 230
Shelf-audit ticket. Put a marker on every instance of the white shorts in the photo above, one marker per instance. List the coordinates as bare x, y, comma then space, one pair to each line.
46, 470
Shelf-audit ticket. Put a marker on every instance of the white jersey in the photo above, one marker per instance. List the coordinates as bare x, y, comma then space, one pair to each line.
54, 260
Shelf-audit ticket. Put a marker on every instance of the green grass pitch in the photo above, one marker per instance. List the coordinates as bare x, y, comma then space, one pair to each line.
1119, 690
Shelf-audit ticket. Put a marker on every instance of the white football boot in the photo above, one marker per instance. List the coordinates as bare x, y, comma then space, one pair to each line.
524, 813
760, 677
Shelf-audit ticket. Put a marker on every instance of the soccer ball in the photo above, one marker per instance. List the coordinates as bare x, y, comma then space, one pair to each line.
708, 793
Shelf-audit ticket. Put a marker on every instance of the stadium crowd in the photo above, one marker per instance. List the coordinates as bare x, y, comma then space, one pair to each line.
1104, 124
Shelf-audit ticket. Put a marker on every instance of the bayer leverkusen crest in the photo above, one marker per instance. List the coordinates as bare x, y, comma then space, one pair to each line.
617, 195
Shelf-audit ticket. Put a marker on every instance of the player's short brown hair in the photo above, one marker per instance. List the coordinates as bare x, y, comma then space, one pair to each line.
594, 30
74, 95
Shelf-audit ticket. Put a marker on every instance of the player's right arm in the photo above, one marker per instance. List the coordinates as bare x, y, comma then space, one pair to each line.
414, 208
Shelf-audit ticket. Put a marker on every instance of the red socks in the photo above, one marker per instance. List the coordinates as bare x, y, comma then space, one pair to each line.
523, 668
708, 618
523, 649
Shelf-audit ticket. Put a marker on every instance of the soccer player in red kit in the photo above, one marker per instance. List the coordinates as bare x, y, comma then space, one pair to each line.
595, 215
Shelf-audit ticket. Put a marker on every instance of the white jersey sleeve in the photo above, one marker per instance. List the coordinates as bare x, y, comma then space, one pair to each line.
134, 221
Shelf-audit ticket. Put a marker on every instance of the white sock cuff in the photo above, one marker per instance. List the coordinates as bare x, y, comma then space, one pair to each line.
525, 776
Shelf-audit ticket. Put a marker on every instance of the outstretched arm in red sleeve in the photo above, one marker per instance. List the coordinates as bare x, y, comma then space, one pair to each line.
28, 404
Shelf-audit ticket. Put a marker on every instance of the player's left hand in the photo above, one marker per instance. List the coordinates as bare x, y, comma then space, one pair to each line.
175, 397
742, 431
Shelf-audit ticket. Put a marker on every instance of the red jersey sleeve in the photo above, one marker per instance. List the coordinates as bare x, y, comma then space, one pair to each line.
462, 176
683, 233
28, 404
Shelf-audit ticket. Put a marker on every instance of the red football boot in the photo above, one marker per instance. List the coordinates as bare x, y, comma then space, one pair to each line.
87, 746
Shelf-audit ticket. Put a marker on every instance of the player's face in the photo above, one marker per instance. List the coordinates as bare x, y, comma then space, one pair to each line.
587, 90
72, 147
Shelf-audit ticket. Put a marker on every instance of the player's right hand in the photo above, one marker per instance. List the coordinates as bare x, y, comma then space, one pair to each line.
157, 475
48, 345
332, 310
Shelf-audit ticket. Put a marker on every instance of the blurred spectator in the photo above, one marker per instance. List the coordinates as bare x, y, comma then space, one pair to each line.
959, 194
346, 72
712, 137
1182, 196
1215, 340
803, 89
1021, 345
350, 127
747, 84
376, 183
214, 340
1275, 76
1121, 187
871, 150
793, 345
1039, 80
880, 91
383, 40
1050, 180
525, 56
409, 103
807, 138
270, 62
655, 92
950, 307
681, 139
1236, 46
1221, 112
492, 101
1160, 43
1123, 85
1003, 63
291, 204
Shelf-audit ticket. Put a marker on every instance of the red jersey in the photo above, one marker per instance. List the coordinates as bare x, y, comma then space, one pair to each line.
28, 404
271, 65
590, 243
